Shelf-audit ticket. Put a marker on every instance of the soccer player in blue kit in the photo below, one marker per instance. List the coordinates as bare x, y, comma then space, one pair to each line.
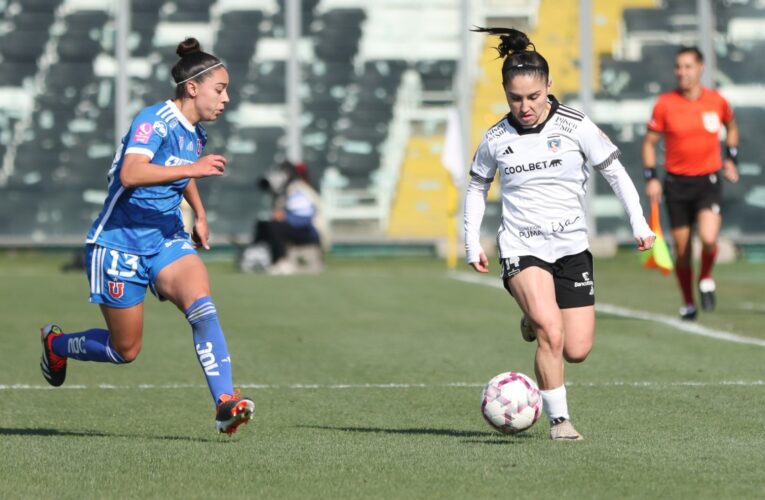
138, 239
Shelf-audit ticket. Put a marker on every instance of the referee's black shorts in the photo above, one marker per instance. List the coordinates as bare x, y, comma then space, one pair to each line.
686, 195
573, 277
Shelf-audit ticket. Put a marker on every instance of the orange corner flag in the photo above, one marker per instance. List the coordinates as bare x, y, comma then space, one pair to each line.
658, 257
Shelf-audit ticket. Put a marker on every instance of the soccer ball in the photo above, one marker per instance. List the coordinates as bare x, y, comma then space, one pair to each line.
511, 403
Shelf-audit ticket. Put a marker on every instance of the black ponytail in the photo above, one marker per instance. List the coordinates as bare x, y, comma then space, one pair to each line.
521, 57
193, 65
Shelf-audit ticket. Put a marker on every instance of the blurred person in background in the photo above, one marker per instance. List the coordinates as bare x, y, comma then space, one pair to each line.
296, 218
543, 151
138, 239
690, 119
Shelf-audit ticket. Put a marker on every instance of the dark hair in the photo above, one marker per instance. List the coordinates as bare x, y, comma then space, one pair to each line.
192, 65
521, 57
691, 50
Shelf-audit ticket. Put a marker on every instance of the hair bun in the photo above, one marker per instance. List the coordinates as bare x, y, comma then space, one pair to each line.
511, 40
188, 46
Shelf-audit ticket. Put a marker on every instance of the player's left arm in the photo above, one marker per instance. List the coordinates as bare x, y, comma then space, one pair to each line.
201, 231
730, 170
603, 155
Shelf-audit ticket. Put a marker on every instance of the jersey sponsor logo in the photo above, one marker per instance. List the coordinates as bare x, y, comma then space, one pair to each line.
534, 166
553, 143
160, 128
564, 124
116, 289
143, 133
530, 232
586, 281
174, 161
495, 132
561, 225
711, 121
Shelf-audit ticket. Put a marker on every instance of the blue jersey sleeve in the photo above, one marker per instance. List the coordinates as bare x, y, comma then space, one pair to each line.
146, 135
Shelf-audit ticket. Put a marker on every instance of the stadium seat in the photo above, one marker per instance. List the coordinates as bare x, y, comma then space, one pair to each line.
187, 11
77, 47
22, 46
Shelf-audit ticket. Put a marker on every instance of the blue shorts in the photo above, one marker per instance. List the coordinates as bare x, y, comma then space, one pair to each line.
119, 279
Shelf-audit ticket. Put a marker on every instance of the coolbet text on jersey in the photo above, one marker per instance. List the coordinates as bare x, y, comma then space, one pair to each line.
526, 159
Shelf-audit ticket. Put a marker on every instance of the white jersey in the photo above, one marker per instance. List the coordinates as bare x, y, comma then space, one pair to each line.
543, 174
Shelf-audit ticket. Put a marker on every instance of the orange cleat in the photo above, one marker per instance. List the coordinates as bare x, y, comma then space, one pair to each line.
233, 411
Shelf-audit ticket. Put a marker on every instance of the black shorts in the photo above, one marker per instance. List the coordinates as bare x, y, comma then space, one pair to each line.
686, 195
573, 276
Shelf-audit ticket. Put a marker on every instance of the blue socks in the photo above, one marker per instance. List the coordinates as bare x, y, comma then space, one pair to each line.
90, 345
210, 345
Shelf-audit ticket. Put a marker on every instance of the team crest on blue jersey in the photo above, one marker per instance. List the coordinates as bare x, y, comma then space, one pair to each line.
160, 128
553, 144
116, 289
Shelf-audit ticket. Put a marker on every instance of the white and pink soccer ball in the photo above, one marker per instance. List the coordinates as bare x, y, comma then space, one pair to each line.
511, 402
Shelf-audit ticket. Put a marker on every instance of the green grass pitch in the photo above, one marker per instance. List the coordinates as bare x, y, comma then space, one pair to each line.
367, 381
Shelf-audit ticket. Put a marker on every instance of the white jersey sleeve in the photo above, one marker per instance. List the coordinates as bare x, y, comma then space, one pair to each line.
597, 148
603, 155
482, 173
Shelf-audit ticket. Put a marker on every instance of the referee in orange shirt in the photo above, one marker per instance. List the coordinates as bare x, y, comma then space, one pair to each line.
690, 118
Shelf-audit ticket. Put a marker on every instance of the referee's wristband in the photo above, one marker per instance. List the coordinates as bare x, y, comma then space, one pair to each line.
731, 153
650, 173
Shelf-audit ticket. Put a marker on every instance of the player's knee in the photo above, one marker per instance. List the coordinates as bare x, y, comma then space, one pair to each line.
128, 351
576, 355
683, 259
708, 245
550, 338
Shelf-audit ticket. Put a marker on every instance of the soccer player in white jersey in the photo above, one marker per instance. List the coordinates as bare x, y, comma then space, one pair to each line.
138, 239
543, 152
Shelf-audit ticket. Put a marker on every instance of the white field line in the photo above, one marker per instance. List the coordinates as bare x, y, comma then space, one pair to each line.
751, 306
678, 324
154, 387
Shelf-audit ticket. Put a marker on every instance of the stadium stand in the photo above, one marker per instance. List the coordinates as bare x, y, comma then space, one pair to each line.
378, 79
421, 205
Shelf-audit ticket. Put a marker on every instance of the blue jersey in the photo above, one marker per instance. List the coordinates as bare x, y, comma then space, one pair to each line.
139, 220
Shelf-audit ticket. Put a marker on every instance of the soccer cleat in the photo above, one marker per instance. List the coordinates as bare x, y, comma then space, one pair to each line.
527, 330
233, 411
52, 365
688, 312
562, 430
707, 292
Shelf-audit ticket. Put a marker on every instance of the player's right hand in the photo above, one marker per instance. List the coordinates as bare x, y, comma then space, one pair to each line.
653, 190
208, 166
482, 266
